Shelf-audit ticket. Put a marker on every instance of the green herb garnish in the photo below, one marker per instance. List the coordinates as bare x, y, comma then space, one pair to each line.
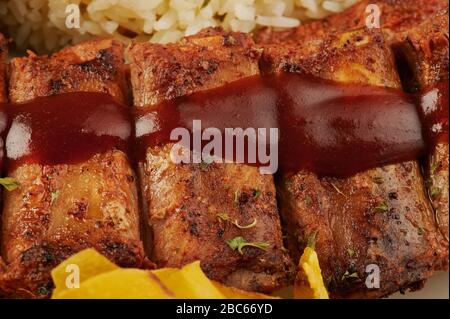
9, 183
256, 193
311, 240
348, 275
350, 252
204, 165
42, 290
225, 217
434, 167
338, 190
434, 192
381, 208
420, 231
54, 196
237, 243
378, 180
252, 224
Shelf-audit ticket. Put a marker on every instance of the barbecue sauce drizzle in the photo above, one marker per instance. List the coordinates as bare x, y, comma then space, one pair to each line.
64, 129
433, 110
326, 127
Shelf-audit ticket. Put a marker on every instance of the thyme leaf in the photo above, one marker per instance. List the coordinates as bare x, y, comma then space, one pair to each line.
338, 190
434, 192
238, 243
378, 180
225, 217
420, 231
381, 208
54, 196
252, 224
9, 183
434, 167
204, 165
348, 275
256, 193
311, 240
350, 252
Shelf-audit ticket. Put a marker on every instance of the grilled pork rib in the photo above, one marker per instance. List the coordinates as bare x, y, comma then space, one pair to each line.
183, 201
3, 64
380, 216
3, 99
425, 51
396, 17
96, 203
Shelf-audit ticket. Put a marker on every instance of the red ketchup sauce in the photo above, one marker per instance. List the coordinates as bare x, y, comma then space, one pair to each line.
65, 129
433, 109
326, 127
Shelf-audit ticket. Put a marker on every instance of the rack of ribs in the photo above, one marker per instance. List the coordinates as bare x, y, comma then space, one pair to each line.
393, 218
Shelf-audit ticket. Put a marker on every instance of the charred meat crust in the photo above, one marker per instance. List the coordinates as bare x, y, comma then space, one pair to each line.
93, 66
425, 50
183, 200
183, 207
396, 17
3, 99
380, 216
3, 65
61, 209
426, 55
206, 60
343, 57
35, 263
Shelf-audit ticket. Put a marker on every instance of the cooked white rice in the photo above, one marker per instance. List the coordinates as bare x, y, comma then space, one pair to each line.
41, 24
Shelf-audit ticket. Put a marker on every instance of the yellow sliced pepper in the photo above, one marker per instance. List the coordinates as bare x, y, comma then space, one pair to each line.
309, 282
100, 278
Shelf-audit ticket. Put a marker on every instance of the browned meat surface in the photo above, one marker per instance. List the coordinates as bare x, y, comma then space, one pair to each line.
425, 50
3, 57
182, 201
380, 216
342, 58
423, 53
204, 61
59, 210
3, 99
95, 66
396, 16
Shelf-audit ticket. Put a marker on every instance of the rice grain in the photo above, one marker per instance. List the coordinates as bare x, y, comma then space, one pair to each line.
41, 24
